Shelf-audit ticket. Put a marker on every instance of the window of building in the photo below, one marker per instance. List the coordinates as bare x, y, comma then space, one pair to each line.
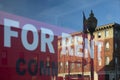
54, 65
107, 60
106, 33
59, 43
100, 62
78, 65
61, 64
116, 33
115, 46
99, 46
80, 39
73, 65
119, 34
116, 60
99, 34
107, 46
66, 63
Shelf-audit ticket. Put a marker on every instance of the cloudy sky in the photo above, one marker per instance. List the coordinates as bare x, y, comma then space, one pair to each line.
64, 13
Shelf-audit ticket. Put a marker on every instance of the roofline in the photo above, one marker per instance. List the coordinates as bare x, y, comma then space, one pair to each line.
106, 26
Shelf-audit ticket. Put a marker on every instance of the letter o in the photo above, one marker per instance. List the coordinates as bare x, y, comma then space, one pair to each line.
26, 44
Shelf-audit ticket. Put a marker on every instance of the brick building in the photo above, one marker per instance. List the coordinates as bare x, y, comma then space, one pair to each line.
74, 58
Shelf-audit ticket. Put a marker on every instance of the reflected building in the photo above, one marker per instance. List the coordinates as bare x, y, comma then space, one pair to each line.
74, 58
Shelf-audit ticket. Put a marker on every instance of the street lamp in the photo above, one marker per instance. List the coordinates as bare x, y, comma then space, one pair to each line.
91, 25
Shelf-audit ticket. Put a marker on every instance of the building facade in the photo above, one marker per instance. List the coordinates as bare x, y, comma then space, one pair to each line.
75, 53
